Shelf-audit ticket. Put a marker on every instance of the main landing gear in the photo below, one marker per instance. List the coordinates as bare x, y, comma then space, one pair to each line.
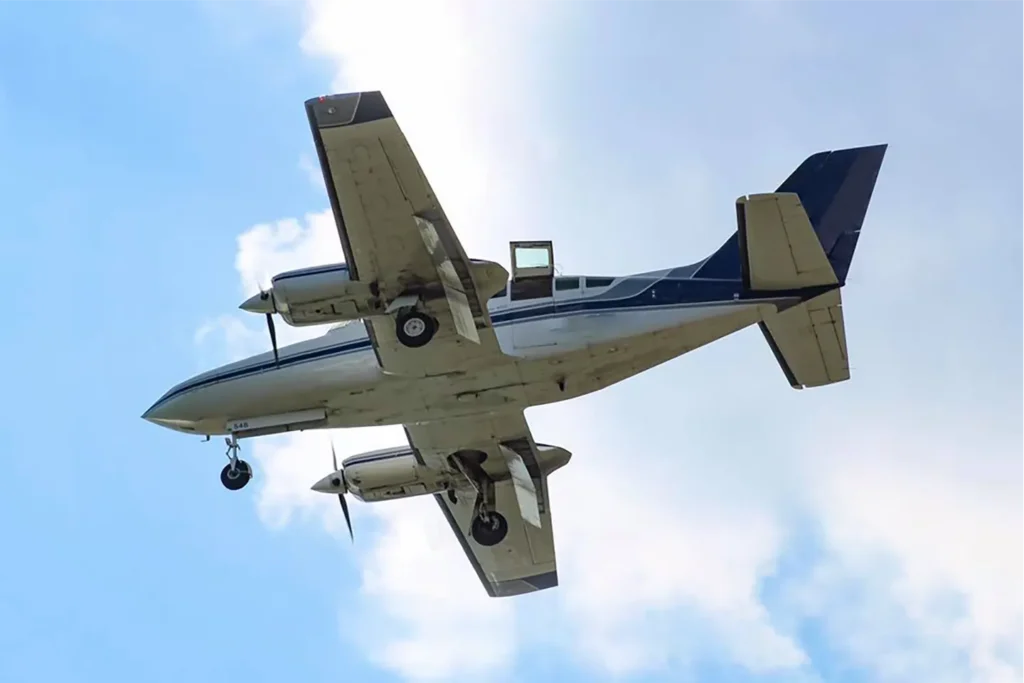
414, 328
488, 527
237, 473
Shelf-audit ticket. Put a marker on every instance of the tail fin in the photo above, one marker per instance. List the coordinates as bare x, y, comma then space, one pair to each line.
802, 237
834, 189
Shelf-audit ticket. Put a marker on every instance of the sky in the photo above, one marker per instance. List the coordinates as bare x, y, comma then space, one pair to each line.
713, 525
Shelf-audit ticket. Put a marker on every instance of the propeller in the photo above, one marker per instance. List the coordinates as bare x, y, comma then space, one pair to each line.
335, 483
273, 337
264, 296
340, 479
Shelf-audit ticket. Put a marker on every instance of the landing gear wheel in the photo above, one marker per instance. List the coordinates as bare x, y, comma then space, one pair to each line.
489, 528
235, 478
414, 329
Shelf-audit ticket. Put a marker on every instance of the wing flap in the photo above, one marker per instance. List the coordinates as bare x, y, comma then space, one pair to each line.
454, 285
523, 487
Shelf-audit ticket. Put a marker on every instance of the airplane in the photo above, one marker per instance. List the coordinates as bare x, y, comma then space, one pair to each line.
455, 348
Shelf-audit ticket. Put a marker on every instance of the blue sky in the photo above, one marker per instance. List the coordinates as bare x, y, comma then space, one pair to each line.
156, 164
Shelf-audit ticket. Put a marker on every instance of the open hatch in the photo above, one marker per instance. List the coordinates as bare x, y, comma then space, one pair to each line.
533, 270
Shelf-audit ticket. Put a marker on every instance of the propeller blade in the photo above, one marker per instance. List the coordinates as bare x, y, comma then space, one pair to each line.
348, 520
341, 496
273, 336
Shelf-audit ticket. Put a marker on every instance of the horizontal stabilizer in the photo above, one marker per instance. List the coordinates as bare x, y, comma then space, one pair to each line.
778, 245
809, 341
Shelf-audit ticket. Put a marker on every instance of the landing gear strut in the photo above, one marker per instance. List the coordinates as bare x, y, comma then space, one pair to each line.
237, 473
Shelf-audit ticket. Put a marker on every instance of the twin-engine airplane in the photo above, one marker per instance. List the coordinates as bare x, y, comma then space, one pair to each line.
455, 350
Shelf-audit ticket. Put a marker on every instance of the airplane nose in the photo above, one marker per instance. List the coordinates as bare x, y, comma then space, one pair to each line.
259, 303
172, 412
161, 413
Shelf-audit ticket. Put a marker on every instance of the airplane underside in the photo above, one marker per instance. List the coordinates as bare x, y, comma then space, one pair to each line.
454, 349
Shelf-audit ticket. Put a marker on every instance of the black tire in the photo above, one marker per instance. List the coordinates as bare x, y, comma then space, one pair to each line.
237, 479
415, 329
491, 532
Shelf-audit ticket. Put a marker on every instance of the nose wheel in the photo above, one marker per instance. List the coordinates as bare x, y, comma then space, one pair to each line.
237, 473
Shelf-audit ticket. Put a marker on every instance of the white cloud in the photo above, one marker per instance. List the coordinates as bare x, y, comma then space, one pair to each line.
656, 567
416, 575
932, 539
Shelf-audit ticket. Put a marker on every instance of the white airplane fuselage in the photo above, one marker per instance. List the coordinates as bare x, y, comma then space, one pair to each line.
557, 348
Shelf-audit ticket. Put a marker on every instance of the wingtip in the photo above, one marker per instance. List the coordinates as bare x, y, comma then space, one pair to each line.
348, 109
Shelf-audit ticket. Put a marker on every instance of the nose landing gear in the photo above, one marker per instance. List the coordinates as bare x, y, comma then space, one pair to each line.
237, 473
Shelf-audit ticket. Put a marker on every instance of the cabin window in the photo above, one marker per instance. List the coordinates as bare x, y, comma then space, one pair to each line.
599, 282
564, 283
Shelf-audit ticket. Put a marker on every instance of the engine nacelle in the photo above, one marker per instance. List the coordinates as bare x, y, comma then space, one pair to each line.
317, 295
391, 473
328, 294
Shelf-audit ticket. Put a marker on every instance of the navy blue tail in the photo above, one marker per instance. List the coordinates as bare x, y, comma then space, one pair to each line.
835, 189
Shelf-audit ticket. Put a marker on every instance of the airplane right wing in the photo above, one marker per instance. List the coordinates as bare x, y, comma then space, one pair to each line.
396, 237
525, 560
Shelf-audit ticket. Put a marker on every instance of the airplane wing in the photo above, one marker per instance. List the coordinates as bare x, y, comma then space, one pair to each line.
395, 235
525, 561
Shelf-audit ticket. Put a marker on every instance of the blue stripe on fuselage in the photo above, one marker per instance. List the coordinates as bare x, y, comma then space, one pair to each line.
660, 293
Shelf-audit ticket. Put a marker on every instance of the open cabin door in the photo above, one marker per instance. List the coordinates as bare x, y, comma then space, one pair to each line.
533, 270
532, 286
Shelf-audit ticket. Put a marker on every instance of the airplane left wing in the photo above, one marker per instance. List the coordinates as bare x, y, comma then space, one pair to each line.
525, 560
396, 237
